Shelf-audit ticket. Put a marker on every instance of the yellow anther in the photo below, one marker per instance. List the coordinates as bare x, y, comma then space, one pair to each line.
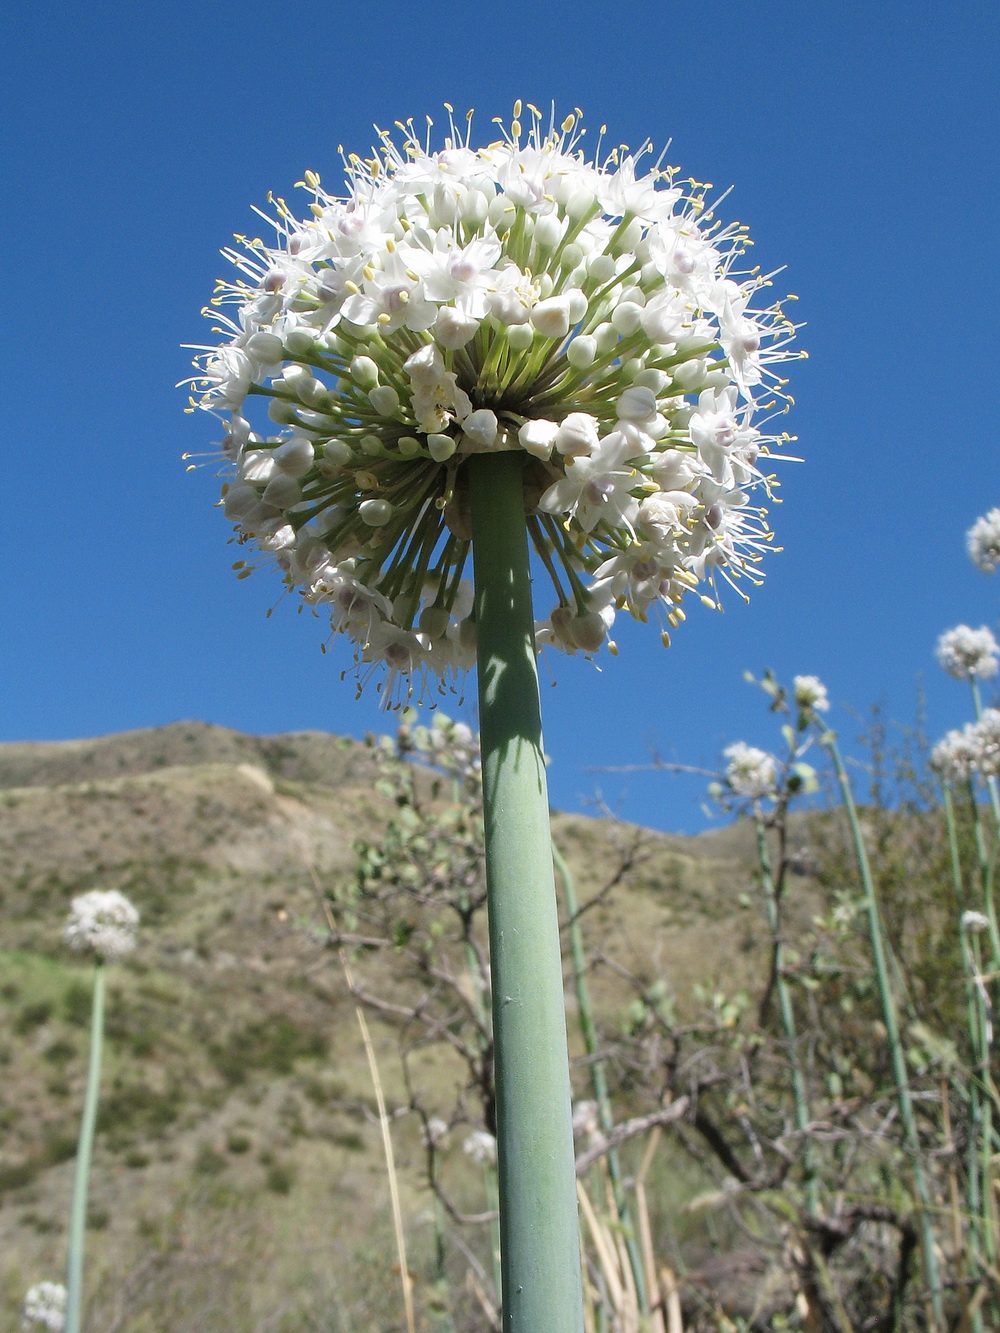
515, 129
612, 648
312, 179
707, 601
665, 639
352, 287
568, 124
535, 111
449, 108
315, 210
517, 109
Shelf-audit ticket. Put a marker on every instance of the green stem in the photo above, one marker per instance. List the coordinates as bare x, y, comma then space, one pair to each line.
78, 1208
898, 1059
598, 1077
800, 1094
539, 1229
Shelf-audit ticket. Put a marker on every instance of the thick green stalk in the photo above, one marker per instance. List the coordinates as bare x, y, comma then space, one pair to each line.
800, 1094
897, 1057
598, 1078
78, 1208
539, 1229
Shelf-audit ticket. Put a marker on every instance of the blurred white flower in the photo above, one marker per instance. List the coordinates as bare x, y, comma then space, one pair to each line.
511, 297
585, 1122
964, 652
435, 1130
481, 1146
750, 772
983, 542
970, 751
810, 692
974, 921
104, 922
45, 1307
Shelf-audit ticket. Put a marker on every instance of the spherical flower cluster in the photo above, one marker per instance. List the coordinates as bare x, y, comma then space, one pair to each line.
481, 1146
750, 772
511, 297
45, 1307
983, 542
103, 921
975, 921
452, 747
970, 751
810, 692
964, 652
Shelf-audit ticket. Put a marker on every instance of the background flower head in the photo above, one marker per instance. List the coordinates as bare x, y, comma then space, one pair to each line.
983, 542
45, 1307
591, 314
966, 653
104, 922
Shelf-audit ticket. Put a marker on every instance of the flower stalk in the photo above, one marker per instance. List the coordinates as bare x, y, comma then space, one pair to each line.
897, 1057
81, 1175
539, 1230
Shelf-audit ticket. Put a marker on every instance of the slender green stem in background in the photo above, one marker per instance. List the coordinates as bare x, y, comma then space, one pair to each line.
953, 852
800, 1094
898, 1059
78, 1208
598, 1078
986, 862
539, 1229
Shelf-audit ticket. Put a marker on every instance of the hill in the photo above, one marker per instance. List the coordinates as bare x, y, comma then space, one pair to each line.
238, 1180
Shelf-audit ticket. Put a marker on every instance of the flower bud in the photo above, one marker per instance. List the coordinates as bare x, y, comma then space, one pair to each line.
520, 337
364, 372
376, 513
536, 437
295, 456
265, 347
440, 447
385, 400
582, 351
481, 428
282, 491
551, 317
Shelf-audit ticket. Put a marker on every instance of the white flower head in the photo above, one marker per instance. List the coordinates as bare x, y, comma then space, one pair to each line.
481, 1146
104, 922
966, 653
810, 692
975, 921
983, 542
958, 755
435, 1131
585, 1121
45, 1307
750, 772
593, 317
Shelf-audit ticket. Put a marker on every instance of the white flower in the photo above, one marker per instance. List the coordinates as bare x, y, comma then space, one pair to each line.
103, 921
516, 296
965, 652
45, 1307
973, 750
481, 1146
750, 772
810, 692
983, 542
974, 921
435, 1131
585, 1121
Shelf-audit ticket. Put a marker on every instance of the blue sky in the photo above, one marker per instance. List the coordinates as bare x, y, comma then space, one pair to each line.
861, 142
